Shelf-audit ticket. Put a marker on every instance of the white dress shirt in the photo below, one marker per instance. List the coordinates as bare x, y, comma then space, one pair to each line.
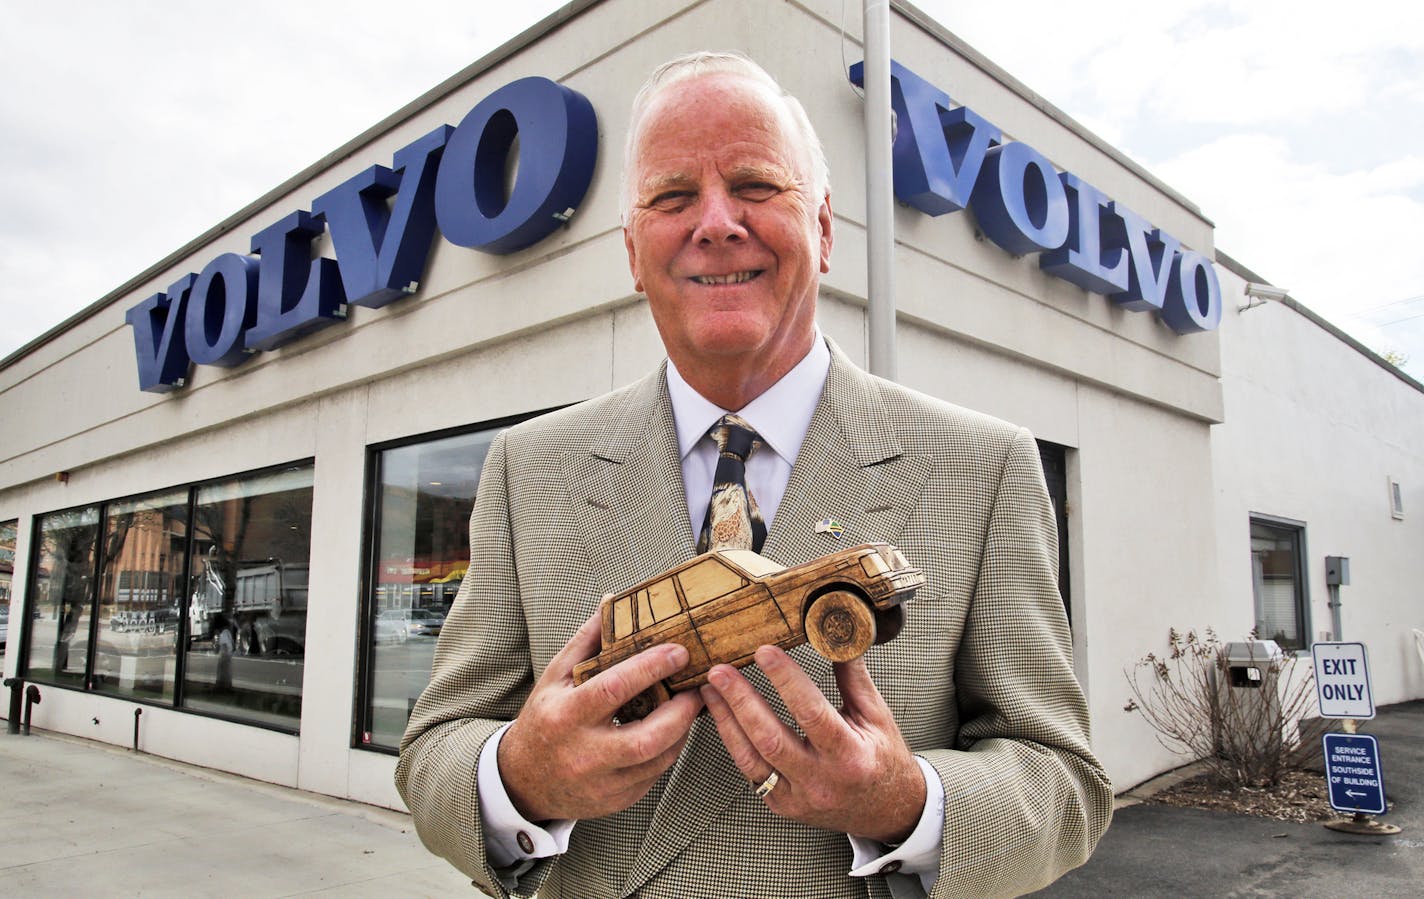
780, 416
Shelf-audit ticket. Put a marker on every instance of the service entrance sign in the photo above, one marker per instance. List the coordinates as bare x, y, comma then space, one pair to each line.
1342, 680
1352, 769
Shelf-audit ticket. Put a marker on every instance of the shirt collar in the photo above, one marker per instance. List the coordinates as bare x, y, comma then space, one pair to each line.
781, 414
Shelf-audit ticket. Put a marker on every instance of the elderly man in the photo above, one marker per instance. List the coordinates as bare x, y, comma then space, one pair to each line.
954, 759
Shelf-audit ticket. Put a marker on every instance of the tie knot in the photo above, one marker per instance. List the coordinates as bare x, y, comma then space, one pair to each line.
734, 436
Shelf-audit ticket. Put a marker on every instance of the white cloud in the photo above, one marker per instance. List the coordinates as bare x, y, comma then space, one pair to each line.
1339, 241
1327, 235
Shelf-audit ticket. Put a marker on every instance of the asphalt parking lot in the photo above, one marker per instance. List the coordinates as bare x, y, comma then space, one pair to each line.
1163, 850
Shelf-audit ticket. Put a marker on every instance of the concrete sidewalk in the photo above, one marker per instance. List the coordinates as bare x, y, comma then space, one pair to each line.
88, 819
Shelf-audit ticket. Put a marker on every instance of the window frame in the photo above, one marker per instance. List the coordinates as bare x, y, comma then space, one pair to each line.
364, 672
194, 489
1302, 578
23, 667
8, 599
181, 638
86, 685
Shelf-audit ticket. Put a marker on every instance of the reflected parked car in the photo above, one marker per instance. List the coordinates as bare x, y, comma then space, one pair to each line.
399, 625
4, 624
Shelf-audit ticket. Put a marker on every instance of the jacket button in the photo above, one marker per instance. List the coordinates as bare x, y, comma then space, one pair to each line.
526, 842
890, 867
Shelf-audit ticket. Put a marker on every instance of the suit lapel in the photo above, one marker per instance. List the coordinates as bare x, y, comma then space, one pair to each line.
627, 491
852, 469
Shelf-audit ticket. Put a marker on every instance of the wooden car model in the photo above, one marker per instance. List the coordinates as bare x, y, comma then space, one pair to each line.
723, 604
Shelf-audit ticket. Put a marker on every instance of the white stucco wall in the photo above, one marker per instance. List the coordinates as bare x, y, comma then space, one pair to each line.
1314, 430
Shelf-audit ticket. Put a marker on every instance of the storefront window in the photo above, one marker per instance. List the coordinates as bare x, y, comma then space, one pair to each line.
248, 565
140, 596
9, 530
1278, 582
421, 548
61, 594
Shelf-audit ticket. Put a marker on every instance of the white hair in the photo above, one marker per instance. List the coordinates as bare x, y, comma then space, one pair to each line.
706, 62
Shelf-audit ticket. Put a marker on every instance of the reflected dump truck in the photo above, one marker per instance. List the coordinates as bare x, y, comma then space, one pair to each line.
266, 606
723, 604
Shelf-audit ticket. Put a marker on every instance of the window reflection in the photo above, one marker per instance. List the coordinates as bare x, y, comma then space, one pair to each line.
421, 551
1277, 582
249, 564
60, 594
140, 596
9, 530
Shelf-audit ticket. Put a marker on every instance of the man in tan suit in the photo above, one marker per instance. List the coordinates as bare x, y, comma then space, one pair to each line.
953, 759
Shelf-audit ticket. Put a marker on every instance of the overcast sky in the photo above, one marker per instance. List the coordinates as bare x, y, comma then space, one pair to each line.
128, 128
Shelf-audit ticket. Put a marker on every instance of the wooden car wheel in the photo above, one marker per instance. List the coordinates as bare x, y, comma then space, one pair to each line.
840, 626
642, 705
888, 624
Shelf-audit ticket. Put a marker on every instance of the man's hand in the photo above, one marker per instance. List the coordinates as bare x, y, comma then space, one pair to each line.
852, 772
564, 758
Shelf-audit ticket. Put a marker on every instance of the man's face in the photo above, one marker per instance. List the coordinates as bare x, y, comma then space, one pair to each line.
723, 236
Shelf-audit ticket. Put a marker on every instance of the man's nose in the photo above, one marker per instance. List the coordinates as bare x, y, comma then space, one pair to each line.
720, 218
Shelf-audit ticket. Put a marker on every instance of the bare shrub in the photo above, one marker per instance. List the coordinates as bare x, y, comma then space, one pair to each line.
1245, 723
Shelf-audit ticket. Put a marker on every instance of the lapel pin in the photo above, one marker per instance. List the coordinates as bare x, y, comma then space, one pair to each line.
830, 526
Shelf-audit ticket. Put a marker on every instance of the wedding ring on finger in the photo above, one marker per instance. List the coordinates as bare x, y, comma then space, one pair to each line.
768, 785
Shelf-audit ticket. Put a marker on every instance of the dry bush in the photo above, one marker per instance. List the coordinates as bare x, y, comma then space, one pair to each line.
1247, 735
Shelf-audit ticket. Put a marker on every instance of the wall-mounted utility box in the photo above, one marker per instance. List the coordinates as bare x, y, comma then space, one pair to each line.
1337, 570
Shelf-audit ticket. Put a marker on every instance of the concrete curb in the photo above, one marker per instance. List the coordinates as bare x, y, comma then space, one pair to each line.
1149, 788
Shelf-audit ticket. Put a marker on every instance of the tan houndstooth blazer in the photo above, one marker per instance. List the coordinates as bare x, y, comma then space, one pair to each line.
589, 500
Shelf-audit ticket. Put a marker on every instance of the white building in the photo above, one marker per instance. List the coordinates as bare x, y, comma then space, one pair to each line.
237, 555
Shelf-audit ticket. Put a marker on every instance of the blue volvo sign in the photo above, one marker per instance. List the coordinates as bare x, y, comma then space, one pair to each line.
1352, 769
948, 158
382, 224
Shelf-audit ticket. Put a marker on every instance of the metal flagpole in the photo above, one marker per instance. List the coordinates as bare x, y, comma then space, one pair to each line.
879, 195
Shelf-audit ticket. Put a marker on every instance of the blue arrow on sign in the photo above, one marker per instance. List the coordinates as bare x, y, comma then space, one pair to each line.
1354, 774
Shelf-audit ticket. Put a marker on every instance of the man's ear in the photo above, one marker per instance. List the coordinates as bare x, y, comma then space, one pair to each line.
825, 218
632, 259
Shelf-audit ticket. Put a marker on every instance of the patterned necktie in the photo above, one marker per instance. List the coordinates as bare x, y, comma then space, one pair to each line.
733, 520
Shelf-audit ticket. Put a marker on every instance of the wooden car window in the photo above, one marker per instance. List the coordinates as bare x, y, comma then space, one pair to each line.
622, 618
645, 615
663, 596
708, 580
756, 564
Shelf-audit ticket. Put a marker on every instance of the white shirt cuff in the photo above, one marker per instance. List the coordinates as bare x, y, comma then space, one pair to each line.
919, 854
509, 839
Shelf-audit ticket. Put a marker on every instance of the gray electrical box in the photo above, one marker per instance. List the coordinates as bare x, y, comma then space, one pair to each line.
1337, 570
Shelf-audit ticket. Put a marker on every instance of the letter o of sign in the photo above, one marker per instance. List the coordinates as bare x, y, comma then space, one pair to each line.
1020, 203
221, 307
558, 144
1193, 295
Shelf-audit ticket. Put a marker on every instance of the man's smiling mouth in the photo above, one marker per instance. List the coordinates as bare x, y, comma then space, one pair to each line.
733, 278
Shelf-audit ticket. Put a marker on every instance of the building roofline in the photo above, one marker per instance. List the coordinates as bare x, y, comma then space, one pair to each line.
1242, 271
